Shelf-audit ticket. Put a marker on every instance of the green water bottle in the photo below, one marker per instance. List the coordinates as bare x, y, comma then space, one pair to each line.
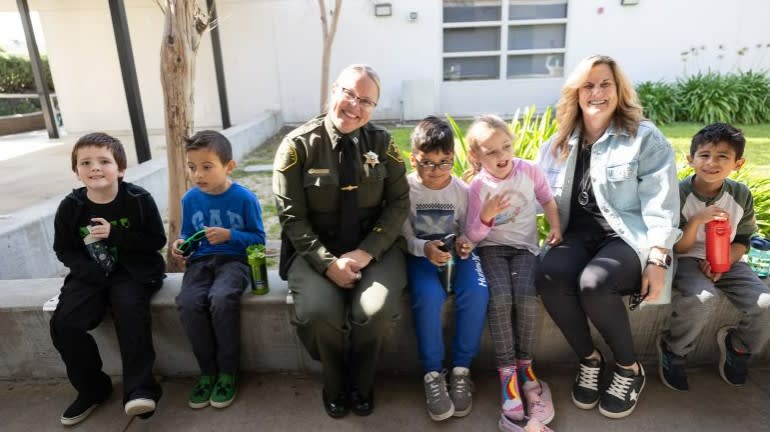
258, 264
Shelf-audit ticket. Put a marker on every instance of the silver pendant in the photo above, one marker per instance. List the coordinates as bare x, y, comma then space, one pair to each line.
583, 198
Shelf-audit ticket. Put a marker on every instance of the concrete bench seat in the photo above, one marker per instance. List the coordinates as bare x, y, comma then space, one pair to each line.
269, 343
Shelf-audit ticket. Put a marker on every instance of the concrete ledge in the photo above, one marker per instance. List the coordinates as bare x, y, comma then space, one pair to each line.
269, 343
26, 236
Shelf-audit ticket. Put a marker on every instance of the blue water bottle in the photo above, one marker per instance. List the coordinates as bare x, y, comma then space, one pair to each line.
759, 256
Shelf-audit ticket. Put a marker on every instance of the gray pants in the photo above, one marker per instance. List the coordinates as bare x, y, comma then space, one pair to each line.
344, 328
694, 300
513, 307
210, 310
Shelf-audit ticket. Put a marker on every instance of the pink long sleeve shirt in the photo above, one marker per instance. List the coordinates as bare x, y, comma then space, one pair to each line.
516, 226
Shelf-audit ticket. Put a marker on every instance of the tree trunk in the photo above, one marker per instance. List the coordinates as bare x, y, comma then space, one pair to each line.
184, 23
328, 40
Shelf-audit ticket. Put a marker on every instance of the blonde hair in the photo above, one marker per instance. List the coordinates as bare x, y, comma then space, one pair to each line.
569, 115
473, 139
363, 69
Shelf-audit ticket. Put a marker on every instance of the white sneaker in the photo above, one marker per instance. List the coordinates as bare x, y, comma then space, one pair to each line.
139, 406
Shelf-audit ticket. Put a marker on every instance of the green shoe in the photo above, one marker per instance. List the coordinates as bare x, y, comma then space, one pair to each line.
199, 398
224, 391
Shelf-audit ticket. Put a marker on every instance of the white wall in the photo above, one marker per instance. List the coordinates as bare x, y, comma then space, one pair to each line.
647, 39
272, 54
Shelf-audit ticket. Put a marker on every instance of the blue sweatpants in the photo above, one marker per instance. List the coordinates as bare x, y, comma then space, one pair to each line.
428, 296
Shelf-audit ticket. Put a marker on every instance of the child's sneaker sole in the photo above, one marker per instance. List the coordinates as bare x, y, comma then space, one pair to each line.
139, 406
464, 412
71, 421
721, 338
223, 404
198, 405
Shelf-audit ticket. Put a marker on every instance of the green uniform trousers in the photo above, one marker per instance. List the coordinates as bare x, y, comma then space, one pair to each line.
344, 328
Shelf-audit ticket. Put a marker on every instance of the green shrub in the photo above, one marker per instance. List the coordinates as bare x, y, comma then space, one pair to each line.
16, 74
708, 97
659, 100
753, 91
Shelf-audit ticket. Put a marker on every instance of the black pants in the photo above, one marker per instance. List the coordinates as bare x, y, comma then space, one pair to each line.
81, 308
583, 279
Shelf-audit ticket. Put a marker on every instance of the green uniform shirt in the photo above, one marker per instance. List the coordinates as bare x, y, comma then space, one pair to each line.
306, 187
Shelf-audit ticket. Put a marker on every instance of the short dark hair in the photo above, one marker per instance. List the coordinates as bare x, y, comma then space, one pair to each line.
433, 134
211, 140
716, 133
100, 139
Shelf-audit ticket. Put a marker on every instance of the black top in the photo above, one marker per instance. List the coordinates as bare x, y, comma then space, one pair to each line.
137, 235
584, 212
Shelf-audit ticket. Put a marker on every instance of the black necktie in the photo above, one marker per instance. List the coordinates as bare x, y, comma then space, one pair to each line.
349, 230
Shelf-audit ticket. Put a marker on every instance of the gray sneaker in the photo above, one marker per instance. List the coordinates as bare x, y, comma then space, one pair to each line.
461, 391
440, 406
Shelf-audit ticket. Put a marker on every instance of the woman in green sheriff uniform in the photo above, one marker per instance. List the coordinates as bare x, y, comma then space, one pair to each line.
342, 197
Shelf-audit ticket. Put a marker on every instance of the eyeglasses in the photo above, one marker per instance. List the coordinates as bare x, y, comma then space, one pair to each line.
428, 165
364, 102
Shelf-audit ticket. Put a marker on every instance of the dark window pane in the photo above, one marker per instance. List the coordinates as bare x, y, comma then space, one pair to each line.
536, 65
471, 68
536, 36
470, 11
521, 10
472, 39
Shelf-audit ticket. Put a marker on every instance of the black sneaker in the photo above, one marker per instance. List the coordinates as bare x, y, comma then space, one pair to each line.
733, 366
585, 390
671, 368
78, 411
623, 393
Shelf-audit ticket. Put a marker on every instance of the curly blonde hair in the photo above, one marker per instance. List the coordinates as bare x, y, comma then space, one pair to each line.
569, 115
486, 121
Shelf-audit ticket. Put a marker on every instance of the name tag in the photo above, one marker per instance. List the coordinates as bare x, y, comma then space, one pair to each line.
318, 171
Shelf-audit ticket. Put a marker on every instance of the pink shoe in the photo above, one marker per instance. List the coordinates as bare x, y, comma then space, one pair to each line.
540, 403
513, 408
506, 425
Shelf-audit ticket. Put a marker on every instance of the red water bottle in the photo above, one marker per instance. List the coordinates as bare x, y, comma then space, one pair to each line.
718, 245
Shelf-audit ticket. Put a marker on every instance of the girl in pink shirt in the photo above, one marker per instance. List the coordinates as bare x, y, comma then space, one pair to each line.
502, 210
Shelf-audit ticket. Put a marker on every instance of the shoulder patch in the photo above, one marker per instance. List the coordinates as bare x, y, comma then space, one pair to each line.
393, 152
285, 158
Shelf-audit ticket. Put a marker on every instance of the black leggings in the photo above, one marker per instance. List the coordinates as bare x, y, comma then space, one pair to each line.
583, 279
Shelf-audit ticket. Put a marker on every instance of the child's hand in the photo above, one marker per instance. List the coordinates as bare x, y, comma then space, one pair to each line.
175, 252
436, 255
554, 237
493, 206
217, 235
711, 213
705, 267
464, 247
102, 230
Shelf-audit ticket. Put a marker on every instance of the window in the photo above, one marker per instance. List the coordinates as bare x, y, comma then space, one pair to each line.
492, 39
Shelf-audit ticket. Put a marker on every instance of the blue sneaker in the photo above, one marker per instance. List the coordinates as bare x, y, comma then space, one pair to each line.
733, 366
671, 368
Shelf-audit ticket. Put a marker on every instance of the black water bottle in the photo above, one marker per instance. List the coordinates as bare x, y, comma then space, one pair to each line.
446, 272
99, 251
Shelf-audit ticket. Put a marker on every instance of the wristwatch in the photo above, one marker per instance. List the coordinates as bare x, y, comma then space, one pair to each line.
658, 258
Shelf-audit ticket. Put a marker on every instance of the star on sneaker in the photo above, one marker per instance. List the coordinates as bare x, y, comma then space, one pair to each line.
622, 395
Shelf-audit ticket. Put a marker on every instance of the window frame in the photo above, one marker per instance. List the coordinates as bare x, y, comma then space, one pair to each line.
503, 53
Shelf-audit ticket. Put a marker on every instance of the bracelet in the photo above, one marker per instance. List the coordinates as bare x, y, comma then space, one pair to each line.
657, 262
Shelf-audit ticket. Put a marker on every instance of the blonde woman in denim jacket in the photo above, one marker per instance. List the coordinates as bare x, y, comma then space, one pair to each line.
613, 176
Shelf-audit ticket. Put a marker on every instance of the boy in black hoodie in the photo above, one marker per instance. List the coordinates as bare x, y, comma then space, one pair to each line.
108, 234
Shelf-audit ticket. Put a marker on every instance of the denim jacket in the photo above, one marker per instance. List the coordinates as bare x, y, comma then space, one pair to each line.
634, 181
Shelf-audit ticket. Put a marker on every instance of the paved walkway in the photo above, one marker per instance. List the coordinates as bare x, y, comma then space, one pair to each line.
290, 402
34, 168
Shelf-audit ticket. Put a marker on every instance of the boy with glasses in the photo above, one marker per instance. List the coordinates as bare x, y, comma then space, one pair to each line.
438, 207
